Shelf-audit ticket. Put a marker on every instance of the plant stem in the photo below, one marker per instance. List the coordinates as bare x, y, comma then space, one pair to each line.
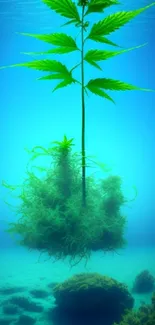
83, 114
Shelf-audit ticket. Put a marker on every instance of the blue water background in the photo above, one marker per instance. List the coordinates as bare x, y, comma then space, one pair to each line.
121, 135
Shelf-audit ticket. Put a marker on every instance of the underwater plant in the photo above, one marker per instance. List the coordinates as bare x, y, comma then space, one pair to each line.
145, 315
64, 43
89, 299
144, 282
65, 212
52, 218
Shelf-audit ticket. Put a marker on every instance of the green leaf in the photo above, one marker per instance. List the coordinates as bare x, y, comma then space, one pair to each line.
58, 50
61, 71
42, 65
96, 86
65, 8
65, 144
98, 55
101, 39
114, 22
105, 40
93, 63
99, 5
55, 76
67, 79
111, 84
64, 83
65, 75
65, 42
99, 92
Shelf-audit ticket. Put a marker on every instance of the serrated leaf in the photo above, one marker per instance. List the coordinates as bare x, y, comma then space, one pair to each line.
61, 71
65, 144
58, 50
42, 65
93, 63
65, 42
98, 55
99, 5
55, 76
101, 39
67, 80
66, 76
64, 83
96, 86
99, 92
61, 50
114, 22
65, 8
111, 84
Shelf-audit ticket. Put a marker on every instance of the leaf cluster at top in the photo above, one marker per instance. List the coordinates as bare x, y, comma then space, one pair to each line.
97, 32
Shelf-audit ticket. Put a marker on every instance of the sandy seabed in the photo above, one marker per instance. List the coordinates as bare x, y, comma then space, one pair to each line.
21, 268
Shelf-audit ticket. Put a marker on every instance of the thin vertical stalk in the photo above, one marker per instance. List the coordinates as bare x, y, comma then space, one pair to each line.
83, 113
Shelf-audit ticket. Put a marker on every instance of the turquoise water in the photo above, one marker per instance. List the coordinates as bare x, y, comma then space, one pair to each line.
121, 136
22, 270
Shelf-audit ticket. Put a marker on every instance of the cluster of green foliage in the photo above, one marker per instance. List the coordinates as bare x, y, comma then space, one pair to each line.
91, 298
52, 217
144, 316
86, 282
144, 282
